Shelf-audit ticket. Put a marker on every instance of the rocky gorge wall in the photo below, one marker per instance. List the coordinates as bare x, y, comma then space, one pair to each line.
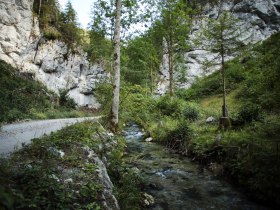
261, 18
51, 62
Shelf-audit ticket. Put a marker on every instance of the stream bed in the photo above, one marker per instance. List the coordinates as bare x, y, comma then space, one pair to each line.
177, 183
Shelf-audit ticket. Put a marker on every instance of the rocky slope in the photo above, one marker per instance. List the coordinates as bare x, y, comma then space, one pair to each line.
51, 62
260, 18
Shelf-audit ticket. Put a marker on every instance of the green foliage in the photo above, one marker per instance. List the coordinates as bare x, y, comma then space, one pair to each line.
191, 113
23, 98
136, 104
100, 49
249, 112
65, 100
18, 94
222, 35
178, 138
142, 61
261, 85
207, 86
69, 26
170, 106
57, 24
253, 74
47, 11
51, 33
173, 26
127, 181
34, 177
104, 95
128, 193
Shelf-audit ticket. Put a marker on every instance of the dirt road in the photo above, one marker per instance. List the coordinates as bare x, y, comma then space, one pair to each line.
13, 135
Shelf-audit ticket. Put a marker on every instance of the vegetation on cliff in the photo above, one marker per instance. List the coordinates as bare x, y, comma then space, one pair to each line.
23, 98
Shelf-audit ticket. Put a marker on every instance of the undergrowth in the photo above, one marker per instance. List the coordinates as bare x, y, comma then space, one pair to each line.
60, 172
247, 153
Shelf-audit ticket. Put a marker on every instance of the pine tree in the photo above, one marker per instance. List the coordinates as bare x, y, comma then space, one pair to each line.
69, 24
47, 11
222, 36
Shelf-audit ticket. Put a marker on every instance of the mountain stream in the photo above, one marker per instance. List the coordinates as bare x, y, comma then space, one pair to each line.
177, 183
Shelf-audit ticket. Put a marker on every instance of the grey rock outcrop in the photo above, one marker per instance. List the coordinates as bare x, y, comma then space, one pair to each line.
260, 18
109, 201
51, 62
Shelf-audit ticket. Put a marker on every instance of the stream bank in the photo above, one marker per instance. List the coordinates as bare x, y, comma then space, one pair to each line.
175, 182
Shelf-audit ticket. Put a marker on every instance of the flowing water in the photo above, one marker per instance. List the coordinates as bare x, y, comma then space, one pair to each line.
176, 183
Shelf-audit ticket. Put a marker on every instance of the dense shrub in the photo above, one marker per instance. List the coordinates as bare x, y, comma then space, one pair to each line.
190, 113
249, 112
177, 138
65, 100
170, 106
51, 33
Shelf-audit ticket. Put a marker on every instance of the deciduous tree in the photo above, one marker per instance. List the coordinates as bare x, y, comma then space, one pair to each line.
116, 67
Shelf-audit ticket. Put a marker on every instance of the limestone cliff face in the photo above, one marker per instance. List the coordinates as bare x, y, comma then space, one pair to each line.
51, 62
261, 18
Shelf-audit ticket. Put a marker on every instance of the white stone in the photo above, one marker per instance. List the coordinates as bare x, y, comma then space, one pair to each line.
149, 139
67, 181
210, 119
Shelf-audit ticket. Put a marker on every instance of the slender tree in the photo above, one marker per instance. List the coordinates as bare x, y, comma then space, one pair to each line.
40, 5
116, 67
174, 26
222, 36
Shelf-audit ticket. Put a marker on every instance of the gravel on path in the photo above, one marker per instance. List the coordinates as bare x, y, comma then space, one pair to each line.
12, 136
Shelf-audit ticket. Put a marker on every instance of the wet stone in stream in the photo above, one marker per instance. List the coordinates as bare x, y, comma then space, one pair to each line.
176, 183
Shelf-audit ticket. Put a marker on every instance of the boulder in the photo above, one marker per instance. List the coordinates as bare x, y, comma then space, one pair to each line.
210, 119
148, 200
149, 139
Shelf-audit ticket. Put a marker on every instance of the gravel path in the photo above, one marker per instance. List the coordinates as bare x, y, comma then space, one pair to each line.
13, 135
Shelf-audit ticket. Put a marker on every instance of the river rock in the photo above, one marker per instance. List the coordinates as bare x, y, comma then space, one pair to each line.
56, 152
149, 139
135, 170
216, 168
67, 181
148, 200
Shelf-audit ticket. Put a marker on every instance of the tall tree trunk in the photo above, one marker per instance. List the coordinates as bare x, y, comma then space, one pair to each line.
170, 66
116, 67
224, 108
152, 80
40, 5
